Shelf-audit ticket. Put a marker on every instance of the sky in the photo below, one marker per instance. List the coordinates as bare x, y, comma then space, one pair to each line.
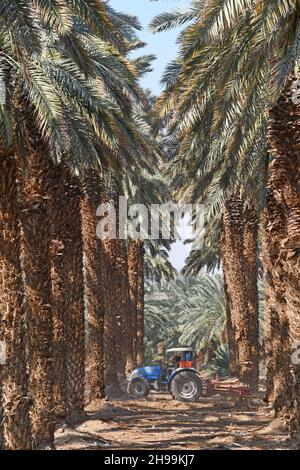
164, 47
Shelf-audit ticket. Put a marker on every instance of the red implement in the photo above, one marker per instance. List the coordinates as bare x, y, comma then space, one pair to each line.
227, 387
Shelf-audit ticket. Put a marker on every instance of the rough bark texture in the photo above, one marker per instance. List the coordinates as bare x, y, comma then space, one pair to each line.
94, 291
237, 287
110, 318
140, 333
133, 266
229, 324
123, 302
118, 312
284, 139
125, 317
36, 260
57, 218
251, 264
1, 407
130, 357
74, 319
277, 340
16, 425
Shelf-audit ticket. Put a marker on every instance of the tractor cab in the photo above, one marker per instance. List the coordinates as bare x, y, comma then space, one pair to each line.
180, 357
174, 372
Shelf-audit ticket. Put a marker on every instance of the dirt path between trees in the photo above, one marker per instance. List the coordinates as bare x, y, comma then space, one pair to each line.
162, 423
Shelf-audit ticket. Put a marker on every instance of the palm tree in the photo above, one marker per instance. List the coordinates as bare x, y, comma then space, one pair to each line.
116, 80
146, 258
58, 280
118, 313
93, 285
140, 329
284, 183
232, 345
239, 240
15, 402
111, 310
118, 322
250, 218
74, 285
238, 100
277, 330
16, 425
36, 262
52, 80
117, 304
122, 292
133, 272
210, 258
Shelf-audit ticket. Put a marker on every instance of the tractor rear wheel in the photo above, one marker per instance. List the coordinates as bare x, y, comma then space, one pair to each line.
139, 388
186, 386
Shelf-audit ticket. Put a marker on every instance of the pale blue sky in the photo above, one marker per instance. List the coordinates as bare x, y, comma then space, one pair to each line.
164, 46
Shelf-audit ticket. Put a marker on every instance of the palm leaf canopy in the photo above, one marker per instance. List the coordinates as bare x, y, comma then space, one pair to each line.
233, 61
190, 311
67, 78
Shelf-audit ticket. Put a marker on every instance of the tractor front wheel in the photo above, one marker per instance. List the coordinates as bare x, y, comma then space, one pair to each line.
186, 386
139, 388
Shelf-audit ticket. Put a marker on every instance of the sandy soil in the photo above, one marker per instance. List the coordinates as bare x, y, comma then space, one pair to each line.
162, 423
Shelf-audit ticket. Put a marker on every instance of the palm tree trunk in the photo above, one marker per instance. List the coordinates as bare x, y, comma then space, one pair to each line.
36, 260
136, 287
111, 336
1, 407
16, 425
237, 286
124, 307
124, 300
110, 318
277, 340
284, 139
118, 353
94, 291
140, 332
251, 263
229, 323
133, 269
58, 277
118, 332
74, 315
119, 308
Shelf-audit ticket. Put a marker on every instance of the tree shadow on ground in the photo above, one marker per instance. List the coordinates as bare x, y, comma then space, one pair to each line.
163, 424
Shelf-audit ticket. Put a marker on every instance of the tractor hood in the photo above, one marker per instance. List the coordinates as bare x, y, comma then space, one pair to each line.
148, 372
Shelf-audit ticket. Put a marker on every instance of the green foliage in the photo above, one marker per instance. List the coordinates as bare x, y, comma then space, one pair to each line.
234, 57
191, 311
204, 311
188, 311
66, 70
219, 365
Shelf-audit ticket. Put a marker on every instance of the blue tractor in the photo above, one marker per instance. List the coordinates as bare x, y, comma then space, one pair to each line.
179, 377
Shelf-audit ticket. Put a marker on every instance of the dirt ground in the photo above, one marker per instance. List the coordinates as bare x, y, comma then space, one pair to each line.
159, 422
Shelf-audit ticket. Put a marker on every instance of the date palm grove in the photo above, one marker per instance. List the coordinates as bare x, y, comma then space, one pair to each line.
77, 312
